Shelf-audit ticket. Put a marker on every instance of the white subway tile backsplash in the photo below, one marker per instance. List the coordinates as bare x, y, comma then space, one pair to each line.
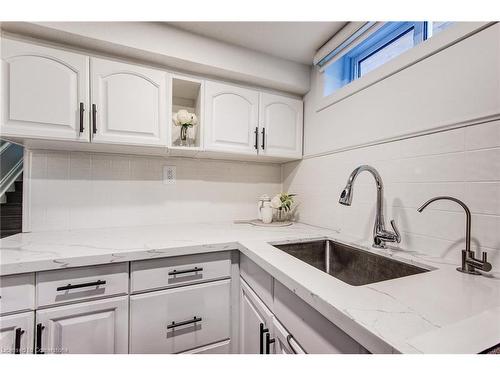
485, 135
483, 197
71, 190
482, 165
464, 163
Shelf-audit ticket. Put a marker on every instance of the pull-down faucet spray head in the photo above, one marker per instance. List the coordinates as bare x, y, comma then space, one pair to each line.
346, 195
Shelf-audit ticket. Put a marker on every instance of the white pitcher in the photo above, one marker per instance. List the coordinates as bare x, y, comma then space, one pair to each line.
266, 212
263, 199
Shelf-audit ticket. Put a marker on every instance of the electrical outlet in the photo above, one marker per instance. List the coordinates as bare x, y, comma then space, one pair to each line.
168, 175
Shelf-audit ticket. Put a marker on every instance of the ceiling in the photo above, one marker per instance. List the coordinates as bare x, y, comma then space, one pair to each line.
295, 41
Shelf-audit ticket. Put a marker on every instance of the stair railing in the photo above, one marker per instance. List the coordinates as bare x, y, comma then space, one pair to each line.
11, 165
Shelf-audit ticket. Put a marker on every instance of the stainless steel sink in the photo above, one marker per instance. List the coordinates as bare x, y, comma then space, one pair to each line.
349, 264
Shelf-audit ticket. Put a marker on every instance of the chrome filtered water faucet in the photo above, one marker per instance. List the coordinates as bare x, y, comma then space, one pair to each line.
380, 234
469, 262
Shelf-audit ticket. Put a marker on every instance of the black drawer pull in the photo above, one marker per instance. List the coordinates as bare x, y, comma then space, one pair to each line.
256, 132
70, 286
82, 109
269, 341
263, 138
17, 341
185, 322
195, 269
94, 119
262, 330
38, 347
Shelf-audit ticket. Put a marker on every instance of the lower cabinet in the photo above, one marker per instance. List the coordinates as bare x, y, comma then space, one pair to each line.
260, 331
284, 324
311, 330
97, 327
256, 321
180, 319
284, 342
223, 347
16, 333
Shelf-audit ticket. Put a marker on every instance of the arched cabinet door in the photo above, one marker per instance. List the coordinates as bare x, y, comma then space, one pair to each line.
280, 126
231, 118
129, 103
45, 92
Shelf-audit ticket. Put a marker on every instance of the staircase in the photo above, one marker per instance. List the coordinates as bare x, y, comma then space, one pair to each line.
11, 189
11, 212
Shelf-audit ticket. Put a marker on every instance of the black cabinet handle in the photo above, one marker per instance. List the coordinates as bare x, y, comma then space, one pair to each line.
269, 341
94, 119
185, 322
263, 138
195, 269
256, 145
82, 109
17, 341
38, 347
262, 330
75, 286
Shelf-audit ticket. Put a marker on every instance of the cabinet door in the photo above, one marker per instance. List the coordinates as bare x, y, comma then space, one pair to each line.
280, 126
315, 333
16, 333
97, 327
43, 90
231, 118
130, 103
284, 342
253, 313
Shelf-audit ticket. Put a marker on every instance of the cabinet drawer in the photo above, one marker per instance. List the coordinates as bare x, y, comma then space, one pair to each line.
223, 347
259, 280
17, 293
77, 284
176, 271
176, 320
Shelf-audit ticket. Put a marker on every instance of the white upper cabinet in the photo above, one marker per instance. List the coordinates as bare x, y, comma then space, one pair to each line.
44, 92
53, 94
129, 104
231, 118
280, 126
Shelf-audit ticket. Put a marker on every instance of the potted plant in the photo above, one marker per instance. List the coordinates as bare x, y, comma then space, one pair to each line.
283, 203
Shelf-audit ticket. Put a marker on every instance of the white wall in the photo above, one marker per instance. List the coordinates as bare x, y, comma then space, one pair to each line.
458, 84
463, 85
71, 190
162, 44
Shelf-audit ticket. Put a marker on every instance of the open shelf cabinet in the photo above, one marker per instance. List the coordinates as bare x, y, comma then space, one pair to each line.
187, 93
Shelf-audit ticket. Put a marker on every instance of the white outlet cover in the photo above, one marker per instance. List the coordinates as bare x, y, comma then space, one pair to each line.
168, 174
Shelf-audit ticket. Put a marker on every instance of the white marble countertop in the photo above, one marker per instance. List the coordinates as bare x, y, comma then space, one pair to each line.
442, 311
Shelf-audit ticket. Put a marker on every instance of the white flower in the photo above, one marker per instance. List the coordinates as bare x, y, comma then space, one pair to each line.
183, 117
194, 118
174, 119
276, 202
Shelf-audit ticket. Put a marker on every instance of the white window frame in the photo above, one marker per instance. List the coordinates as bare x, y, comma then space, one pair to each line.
453, 34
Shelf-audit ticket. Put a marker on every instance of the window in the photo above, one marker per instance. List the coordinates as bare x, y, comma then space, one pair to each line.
386, 43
